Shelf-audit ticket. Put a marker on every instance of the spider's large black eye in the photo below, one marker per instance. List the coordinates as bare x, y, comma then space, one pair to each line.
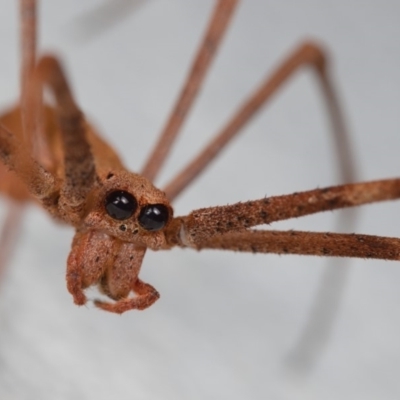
153, 217
120, 205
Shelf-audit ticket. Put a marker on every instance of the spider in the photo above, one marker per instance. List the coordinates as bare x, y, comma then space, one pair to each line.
57, 159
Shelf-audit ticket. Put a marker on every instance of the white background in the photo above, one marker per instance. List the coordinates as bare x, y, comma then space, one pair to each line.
227, 325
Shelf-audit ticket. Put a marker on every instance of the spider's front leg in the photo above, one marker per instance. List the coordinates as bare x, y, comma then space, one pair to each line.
97, 258
227, 227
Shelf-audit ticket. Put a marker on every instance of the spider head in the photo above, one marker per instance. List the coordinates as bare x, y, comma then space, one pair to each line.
129, 207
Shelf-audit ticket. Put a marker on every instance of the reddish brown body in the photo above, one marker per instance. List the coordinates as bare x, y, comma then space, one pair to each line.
58, 160
102, 253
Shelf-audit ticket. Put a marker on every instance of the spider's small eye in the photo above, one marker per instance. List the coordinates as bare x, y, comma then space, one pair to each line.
120, 205
153, 217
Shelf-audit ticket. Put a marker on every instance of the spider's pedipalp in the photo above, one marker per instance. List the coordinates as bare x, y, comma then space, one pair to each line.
145, 296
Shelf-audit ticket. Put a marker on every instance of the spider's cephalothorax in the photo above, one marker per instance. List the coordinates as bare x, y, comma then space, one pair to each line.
128, 207
125, 214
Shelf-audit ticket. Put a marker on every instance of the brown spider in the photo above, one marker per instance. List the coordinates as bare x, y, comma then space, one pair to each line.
58, 160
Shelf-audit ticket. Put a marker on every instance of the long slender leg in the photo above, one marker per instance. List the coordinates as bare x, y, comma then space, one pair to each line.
16, 157
205, 223
306, 55
28, 17
307, 243
14, 210
79, 163
207, 50
226, 227
32, 113
9, 234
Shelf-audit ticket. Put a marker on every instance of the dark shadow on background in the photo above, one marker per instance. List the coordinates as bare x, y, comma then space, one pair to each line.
102, 18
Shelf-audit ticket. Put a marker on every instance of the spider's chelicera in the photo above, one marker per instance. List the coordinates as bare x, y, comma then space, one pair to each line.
120, 205
153, 217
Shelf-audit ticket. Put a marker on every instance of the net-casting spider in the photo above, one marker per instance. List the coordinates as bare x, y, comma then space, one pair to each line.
60, 162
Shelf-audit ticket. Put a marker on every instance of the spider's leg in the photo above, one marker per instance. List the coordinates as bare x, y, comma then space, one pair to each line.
9, 233
28, 22
205, 54
79, 166
67, 201
16, 147
205, 223
306, 55
14, 209
40, 183
307, 243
